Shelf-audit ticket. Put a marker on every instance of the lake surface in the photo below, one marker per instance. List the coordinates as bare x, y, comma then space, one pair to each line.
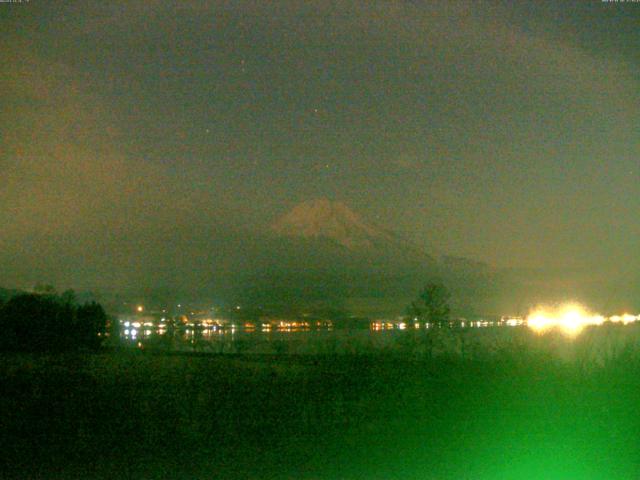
477, 339
316, 339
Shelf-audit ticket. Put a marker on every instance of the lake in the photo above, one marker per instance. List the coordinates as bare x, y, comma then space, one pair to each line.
476, 339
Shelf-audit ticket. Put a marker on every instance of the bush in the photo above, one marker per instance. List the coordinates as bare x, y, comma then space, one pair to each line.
45, 323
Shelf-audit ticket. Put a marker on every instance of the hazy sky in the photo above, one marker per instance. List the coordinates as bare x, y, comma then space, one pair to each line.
131, 131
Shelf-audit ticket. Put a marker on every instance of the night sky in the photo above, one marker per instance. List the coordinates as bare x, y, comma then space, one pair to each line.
138, 135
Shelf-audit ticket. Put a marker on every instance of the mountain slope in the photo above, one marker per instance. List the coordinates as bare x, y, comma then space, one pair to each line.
325, 220
323, 253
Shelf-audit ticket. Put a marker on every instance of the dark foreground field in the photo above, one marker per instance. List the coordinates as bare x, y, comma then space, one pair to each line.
134, 415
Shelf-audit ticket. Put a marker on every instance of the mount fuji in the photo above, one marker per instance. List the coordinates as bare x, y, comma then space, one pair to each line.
335, 224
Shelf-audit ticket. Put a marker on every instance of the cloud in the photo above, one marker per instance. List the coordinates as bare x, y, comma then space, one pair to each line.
407, 161
78, 207
497, 108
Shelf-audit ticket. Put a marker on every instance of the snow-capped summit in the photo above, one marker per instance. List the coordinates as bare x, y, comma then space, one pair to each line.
323, 218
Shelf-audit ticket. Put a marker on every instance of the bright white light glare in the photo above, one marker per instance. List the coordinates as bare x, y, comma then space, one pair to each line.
625, 318
510, 322
570, 318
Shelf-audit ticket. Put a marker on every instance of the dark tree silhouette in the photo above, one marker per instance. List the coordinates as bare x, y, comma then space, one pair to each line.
48, 323
44, 288
69, 297
91, 325
432, 305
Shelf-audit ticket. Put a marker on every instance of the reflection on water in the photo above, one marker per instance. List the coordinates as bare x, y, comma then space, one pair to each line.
325, 337
224, 337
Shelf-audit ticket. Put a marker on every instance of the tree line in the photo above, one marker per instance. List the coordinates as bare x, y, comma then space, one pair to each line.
47, 322
432, 305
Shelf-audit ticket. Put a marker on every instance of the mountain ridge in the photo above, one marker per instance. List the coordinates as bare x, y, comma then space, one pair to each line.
333, 220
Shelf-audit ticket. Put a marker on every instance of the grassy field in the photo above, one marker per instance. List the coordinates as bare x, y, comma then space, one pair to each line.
519, 414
